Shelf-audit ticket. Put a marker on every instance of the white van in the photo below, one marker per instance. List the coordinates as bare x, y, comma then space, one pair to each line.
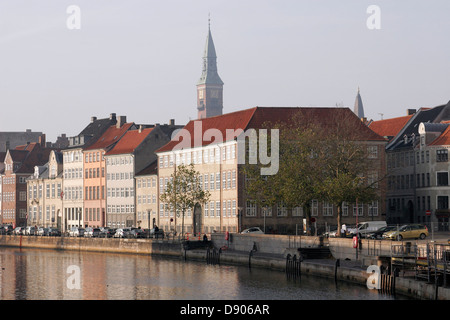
363, 228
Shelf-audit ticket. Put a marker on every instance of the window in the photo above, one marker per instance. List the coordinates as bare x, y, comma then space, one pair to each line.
250, 210
218, 208
372, 152
442, 155
281, 209
442, 178
373, 208
218, 181
314, 208
211, 209
344, 209
360, 209
327, 209
212, 181
442, 202
297, 212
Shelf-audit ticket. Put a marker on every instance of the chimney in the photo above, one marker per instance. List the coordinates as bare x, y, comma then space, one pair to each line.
172, 122
93, 119
140, 128
120, 121
42, 140
410, 111
112, 116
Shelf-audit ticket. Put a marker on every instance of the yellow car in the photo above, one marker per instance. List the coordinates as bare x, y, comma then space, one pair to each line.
409, 231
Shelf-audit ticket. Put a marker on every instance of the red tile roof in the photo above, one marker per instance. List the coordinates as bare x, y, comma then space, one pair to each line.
389, 127
129, 142
111, 136
443, 139
257, 118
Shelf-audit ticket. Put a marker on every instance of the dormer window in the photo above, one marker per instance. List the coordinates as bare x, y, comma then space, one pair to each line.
442, 155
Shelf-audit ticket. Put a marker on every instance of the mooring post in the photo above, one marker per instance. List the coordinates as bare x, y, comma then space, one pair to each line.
336, 265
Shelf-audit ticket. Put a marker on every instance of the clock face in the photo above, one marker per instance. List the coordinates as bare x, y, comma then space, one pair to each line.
214, 93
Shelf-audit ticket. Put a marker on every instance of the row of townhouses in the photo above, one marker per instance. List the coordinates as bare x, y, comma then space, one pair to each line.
113, 172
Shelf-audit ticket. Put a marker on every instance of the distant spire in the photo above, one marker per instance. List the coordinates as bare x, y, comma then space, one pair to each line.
209, 72
359, 109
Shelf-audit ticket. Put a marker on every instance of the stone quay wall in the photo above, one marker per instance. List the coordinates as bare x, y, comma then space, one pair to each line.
264, 251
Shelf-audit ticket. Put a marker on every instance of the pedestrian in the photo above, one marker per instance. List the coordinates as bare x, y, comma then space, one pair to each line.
344, 230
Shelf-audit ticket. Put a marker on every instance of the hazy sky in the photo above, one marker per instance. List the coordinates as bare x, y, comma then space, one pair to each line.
143, 58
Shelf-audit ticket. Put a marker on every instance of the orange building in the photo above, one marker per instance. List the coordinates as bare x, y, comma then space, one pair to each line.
94, 179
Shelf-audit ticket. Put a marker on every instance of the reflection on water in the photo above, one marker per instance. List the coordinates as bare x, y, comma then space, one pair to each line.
45, 274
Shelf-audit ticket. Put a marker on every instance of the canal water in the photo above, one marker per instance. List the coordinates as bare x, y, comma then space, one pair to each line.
33, 274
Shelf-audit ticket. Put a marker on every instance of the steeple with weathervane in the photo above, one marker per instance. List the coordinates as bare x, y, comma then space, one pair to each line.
359, 109
210, 86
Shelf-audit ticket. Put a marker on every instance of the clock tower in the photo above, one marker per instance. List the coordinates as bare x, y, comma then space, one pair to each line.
210, 86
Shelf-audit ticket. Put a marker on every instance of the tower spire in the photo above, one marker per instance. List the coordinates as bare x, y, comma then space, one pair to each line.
209, 86
359, 109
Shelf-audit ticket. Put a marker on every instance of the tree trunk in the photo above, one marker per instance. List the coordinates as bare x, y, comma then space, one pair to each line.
182, 223
339, 215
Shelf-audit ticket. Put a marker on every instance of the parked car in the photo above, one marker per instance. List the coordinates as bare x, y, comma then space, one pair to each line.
409, 231
54, 232
88, 232
252, 230
364, 228
6, 229
42, 231
18, 230
156, 233
30, 231
379, 233
122, 233
76, 232
96, 232
140, 233
331, 233
106, 232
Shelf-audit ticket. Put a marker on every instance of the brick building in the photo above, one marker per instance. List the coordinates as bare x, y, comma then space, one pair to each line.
216, 160
19, 165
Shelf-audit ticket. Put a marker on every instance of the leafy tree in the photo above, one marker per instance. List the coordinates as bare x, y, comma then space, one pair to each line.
344, 164
324, 159
295, 182
183, 191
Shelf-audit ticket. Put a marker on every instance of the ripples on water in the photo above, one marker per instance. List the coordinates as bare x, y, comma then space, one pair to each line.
41, 274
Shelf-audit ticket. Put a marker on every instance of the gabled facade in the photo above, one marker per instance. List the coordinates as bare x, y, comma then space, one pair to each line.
432, 175
94, 179
45, 196
147, 196
19, 165
73, 200
408, 164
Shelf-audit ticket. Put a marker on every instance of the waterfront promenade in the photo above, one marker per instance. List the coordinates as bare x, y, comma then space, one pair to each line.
342, 262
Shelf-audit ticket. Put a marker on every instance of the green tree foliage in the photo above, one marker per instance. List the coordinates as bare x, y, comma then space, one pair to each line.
184, 191
323, 160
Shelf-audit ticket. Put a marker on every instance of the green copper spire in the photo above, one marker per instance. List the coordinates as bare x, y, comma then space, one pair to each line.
209, 72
